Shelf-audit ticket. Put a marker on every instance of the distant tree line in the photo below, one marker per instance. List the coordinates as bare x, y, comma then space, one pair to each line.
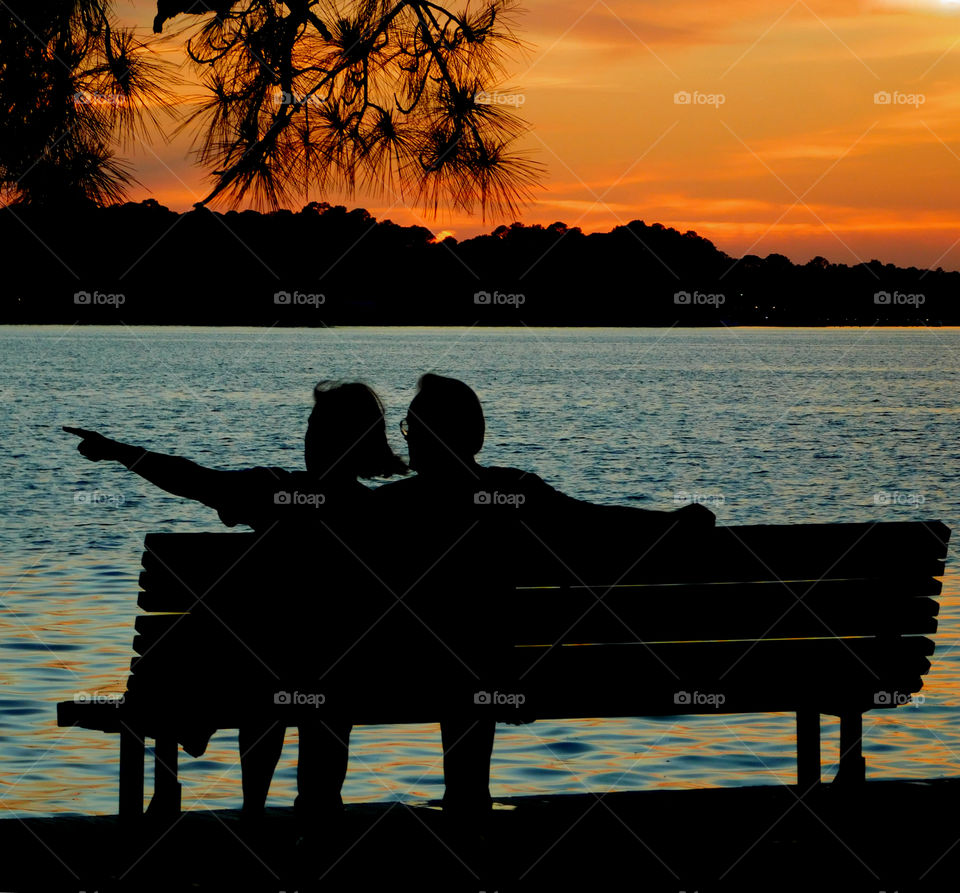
144, 264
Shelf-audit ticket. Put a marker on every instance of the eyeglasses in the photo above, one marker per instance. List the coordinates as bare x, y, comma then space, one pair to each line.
404, 427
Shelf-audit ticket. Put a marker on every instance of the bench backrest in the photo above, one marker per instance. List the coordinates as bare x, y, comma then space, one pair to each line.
829, 616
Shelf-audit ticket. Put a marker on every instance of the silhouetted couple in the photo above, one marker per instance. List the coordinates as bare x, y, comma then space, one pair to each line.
446, 546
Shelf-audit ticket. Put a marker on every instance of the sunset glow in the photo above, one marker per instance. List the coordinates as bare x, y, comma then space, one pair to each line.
801, 128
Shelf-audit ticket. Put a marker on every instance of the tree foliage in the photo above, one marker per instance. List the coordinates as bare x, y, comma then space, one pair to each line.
389, 96
385, 96
73, 87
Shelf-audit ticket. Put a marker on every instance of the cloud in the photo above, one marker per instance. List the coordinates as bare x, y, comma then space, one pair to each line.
698, 22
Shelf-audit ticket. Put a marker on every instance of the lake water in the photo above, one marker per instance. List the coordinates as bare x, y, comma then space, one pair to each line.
768, 426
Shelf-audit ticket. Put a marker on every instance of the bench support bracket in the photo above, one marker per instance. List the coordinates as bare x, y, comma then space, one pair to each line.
853, 767
131, 773
808, 750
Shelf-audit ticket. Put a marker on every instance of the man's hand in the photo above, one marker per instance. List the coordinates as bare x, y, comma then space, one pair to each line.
697, 514
93, 445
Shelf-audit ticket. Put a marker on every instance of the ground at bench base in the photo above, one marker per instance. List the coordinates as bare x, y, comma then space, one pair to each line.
881, 836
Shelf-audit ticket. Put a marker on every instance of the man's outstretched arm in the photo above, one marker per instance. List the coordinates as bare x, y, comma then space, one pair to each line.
554, 503
556, 533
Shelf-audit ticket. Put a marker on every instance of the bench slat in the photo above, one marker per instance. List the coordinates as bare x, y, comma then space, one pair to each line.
659, 613
571, 681
695, 614
749, 553
800, 665
789, 552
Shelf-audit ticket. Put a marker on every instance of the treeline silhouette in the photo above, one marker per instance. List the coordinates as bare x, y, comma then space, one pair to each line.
324, 265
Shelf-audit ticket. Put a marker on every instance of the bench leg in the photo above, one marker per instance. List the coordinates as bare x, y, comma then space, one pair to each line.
166, 787
131, 773
808, 750
853, 767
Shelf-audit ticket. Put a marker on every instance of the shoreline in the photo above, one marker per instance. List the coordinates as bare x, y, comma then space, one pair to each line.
484, 326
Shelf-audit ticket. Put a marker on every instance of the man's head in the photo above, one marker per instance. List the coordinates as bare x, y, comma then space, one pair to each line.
444, 424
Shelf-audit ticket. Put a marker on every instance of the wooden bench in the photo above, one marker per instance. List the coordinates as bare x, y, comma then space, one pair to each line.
808, 619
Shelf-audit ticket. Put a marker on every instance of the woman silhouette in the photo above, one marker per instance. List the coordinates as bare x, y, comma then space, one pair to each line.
345, 440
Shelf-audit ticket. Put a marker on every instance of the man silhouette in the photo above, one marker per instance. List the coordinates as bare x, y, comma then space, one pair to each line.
462, 534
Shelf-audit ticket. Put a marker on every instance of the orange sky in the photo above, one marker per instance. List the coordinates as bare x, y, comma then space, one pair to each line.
782, 147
